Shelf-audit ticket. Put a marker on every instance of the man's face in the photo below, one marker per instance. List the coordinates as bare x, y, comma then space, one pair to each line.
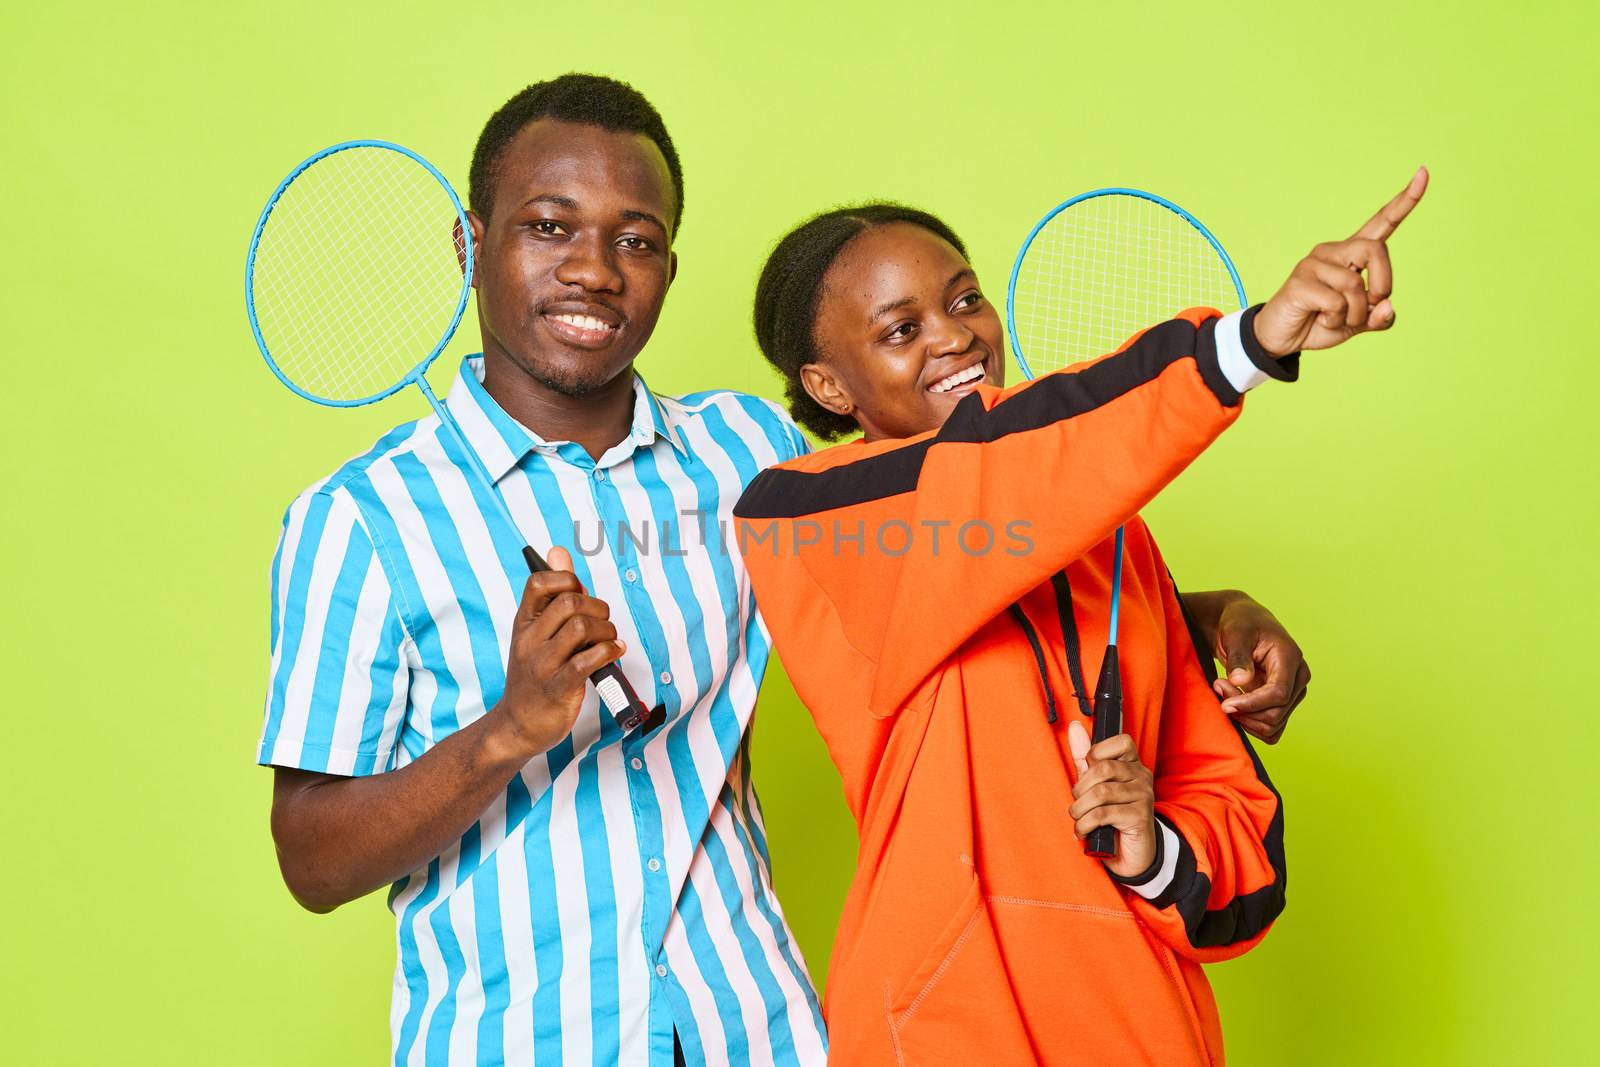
575, 258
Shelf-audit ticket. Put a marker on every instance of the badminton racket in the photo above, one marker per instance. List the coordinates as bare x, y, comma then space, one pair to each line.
1095, 270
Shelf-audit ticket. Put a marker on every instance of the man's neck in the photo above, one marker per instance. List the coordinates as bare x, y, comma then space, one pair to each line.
597, 420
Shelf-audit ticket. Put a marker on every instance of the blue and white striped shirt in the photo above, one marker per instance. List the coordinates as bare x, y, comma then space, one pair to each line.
618, 890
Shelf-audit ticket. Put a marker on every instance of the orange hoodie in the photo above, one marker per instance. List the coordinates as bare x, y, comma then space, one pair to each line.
976, 929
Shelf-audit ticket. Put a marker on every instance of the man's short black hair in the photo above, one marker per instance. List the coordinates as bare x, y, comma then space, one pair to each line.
587, 99
790, 289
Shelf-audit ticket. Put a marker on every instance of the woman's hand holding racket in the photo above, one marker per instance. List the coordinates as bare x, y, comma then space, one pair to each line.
1342, 288
560, 637
1114, 789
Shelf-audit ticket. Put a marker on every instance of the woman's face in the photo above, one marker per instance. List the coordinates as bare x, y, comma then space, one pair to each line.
903, 332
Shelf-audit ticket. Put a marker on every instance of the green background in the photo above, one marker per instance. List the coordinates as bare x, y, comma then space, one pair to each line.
1419, 510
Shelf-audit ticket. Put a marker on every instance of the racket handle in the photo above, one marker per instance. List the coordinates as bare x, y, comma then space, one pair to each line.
1102, 842
615, 692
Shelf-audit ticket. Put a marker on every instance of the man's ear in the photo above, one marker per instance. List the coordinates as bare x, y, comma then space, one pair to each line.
477, 244
672, 267
822, 386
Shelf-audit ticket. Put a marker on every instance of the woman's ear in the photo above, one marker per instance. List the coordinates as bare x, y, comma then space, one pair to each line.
821, 385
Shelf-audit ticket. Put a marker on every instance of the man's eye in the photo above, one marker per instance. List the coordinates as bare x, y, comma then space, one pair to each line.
634, 244
967, 300
902, 331
546, 227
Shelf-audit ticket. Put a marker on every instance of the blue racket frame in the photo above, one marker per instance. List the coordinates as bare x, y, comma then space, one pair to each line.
417, 372
1027, 242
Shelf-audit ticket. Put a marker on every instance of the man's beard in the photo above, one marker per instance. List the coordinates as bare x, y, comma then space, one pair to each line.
576, 384
576, 387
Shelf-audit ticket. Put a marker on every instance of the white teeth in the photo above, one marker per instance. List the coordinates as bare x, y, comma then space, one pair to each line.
962, 377
583, 322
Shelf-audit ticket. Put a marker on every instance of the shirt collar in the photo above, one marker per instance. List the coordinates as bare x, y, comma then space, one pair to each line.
501, 441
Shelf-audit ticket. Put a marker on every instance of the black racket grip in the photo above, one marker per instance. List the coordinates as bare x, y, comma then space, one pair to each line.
609, 681
1102, 843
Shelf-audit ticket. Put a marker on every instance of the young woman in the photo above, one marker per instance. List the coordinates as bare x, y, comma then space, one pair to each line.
939, 593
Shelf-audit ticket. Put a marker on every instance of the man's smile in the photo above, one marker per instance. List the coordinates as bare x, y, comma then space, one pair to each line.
580, 324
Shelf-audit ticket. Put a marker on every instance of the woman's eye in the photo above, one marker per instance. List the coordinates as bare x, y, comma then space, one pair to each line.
901, 331
967, 300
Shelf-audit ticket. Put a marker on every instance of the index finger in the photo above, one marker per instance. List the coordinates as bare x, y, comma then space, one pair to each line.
1120, 747
1392, 214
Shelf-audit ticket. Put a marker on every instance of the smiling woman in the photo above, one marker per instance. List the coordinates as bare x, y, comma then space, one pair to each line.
934, 676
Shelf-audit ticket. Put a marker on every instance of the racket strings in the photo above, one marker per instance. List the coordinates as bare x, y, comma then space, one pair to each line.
356, 274
1105, 268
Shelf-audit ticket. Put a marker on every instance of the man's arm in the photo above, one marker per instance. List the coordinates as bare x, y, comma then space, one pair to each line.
1267, 675
340, 838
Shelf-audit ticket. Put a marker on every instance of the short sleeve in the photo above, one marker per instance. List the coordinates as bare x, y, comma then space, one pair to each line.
779, 429
338, 683
798, 444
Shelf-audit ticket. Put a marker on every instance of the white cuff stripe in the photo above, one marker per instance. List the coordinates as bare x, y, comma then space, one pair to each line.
1169, 865
1236, 365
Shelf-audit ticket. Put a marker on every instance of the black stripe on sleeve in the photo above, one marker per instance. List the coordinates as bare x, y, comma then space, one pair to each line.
1244, 916
788, 494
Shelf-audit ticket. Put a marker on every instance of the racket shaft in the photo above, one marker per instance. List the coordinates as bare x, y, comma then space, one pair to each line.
609, 681
1102, 841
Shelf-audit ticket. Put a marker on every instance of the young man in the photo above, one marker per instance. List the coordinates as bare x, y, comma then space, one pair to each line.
563, 894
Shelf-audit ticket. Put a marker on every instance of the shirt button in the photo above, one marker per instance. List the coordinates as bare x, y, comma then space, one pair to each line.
636, 763
666, 677
599, 475
654, 864
661, 970
631, 574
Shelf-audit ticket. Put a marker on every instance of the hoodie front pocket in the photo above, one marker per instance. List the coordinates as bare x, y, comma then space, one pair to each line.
958, 1000
1093, 987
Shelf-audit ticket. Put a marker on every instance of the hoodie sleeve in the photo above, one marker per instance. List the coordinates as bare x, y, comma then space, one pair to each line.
910, 546
1218, 880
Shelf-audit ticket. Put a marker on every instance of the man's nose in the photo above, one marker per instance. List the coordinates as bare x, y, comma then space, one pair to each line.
590, 265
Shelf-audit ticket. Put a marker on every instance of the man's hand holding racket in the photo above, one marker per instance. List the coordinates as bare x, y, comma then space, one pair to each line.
560, 637
1342, 288
1267, 672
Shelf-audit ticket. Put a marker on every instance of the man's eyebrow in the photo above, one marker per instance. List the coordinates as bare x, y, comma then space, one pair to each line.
883, 309
552, 198
964, 272
635, 215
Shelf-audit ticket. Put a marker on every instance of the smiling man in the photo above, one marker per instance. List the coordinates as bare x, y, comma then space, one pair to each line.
563, 893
